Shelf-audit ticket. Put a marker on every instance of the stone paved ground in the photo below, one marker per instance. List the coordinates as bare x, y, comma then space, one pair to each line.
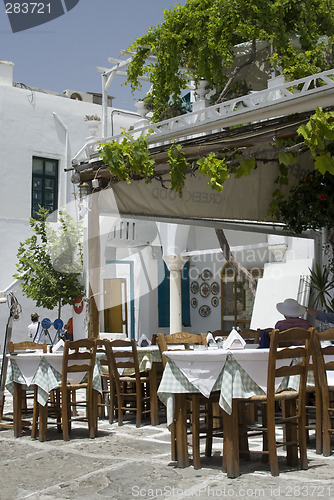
129, 463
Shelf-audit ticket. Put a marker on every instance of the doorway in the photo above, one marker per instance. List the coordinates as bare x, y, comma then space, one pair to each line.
118, 294
115, 306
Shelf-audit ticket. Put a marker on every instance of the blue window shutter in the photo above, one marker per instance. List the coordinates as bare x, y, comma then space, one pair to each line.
163, 295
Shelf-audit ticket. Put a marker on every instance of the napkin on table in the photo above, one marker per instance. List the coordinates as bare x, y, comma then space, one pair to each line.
143, 341
210, 338
59, 346
234, 340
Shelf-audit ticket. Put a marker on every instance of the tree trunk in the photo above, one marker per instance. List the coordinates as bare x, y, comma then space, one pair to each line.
236, 70
224, 245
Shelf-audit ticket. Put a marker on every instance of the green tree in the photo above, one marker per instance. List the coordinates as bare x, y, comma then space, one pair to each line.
199, 40
202, 40
50, 262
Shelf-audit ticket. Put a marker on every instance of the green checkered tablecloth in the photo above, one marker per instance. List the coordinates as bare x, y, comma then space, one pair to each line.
232, 382
46, 378
172, 382
146, 357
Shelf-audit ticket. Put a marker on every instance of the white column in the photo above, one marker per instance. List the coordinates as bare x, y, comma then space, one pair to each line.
175, 264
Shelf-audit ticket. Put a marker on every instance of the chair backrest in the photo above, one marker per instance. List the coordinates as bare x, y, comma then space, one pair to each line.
322, 364
79, 358
296, 358
251, 336
179, 338
22, 346
219, 333
103, 353
124, 355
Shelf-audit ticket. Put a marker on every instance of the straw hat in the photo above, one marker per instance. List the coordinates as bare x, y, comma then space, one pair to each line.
290, 308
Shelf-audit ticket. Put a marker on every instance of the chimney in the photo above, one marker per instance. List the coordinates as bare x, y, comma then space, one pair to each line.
6, 73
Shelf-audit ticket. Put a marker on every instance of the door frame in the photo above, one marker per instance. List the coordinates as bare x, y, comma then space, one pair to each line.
131, 291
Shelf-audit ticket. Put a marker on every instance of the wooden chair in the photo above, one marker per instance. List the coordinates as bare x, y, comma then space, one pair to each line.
219, 333
79, 358
294, 416
132, 388
77, 374
251, 336
195, 401
26, 393
322, 368
314, 400
107, 399
23, 346
179, 339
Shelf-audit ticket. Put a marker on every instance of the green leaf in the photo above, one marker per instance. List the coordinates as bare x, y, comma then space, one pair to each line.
324, 163
246, 166
286, 158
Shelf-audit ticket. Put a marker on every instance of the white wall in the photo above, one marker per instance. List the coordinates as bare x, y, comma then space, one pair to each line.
35, 123
280, 281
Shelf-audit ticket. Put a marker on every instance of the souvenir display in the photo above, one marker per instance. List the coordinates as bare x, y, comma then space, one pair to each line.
194, 302
206, 274
204, 311
215, 301
194, 287
215, 288
204, 289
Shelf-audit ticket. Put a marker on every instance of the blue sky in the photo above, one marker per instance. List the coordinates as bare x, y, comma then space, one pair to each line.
63, 53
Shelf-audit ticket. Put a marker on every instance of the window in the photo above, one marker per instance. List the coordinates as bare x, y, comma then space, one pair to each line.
44, 185
237, 300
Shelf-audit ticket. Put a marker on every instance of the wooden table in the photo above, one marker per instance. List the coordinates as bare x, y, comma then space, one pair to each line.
41, 372
241, 374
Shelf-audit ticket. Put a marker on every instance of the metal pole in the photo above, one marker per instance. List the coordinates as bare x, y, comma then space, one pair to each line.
4, 365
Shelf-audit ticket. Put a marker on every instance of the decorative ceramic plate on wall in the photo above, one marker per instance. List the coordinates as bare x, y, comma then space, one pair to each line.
215, 301
215, 288
206, 274
194, 302
204, 311
204, 289
194, 287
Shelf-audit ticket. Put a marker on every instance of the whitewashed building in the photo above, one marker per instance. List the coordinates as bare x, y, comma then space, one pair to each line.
146, 231
40, 133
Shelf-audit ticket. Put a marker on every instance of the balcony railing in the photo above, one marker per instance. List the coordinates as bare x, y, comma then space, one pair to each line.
298, 96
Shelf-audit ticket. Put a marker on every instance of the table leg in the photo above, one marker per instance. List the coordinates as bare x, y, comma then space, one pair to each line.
181, 430
154, 404
42, 421
17, 410
231, 442
195, 410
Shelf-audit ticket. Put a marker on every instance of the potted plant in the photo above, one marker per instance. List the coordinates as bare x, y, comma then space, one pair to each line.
93, 122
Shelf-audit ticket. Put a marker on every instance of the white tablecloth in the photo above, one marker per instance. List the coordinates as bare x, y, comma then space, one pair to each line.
44, 370
235, 373
202, 367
